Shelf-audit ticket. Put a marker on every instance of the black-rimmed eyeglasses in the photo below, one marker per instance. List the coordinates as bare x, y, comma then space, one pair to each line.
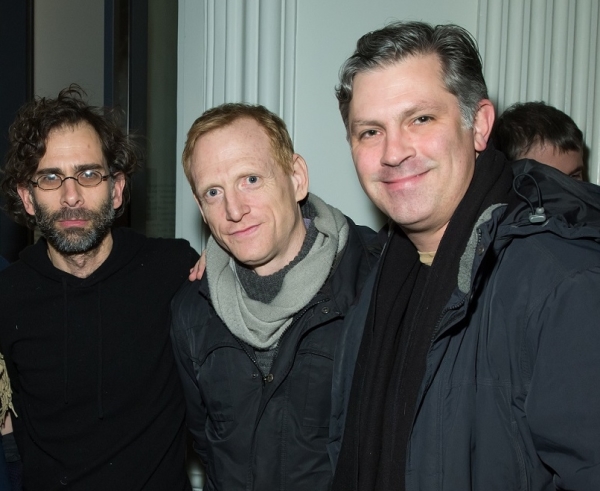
85, 178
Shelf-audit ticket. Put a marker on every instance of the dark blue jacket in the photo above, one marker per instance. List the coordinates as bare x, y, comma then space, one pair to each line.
271, 434
510, 396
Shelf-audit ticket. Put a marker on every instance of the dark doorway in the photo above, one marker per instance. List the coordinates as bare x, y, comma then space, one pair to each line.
124, 54
15, 89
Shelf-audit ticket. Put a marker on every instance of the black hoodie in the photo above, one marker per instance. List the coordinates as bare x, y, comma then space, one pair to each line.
98, 398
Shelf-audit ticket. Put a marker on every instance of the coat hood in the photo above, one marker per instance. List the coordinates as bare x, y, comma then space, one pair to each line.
546, 200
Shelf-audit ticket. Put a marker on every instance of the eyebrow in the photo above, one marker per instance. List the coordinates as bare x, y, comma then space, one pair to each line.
77, 169
365, 122
419, 106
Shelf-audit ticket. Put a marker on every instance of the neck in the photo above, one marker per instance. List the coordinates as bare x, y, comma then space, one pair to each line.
428, 241
81, 265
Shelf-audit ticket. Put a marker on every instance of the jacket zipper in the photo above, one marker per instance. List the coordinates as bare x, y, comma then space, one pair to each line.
252, 358
457, 305
297, 317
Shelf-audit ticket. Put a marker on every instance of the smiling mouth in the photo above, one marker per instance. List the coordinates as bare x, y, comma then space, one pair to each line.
399, 180
244, 231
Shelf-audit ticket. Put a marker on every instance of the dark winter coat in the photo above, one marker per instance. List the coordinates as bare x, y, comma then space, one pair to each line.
97, 394
510, 396
255, 433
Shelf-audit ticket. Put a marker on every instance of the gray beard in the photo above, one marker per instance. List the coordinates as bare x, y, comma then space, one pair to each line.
75, 240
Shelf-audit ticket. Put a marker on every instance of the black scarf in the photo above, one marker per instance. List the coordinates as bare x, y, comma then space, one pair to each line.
404, 311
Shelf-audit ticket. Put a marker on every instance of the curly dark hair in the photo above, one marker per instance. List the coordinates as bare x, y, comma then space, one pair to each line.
28, 137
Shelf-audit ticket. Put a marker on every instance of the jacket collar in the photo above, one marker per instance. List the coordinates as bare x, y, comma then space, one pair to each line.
571, 211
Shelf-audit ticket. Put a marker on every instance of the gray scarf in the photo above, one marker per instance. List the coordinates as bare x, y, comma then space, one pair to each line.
259, 324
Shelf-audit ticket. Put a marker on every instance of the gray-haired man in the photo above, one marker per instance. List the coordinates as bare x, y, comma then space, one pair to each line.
479, 362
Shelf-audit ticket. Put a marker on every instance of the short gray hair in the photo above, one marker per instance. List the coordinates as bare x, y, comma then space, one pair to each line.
455, 47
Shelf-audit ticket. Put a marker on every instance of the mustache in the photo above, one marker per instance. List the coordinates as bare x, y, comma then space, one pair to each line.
70, 214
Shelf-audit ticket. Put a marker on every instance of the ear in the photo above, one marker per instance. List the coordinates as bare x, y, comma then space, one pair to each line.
25, 194
300, 177
482, 124
199, 207
117, 190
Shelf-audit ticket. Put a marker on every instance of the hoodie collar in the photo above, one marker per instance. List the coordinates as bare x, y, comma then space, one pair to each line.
126, 244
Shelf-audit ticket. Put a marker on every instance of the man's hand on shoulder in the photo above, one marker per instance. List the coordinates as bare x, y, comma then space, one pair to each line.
197, 271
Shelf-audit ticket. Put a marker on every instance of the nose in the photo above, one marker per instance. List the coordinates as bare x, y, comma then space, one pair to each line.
397, 148
71, 193
235, 206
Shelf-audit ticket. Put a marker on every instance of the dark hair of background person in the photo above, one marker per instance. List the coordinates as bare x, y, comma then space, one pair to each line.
454, 46
526, 124
28, 137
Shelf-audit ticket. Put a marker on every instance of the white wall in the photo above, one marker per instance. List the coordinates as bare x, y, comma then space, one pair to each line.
325, 35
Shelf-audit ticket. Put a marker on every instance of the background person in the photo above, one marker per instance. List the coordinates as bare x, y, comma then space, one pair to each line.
537, 131
5, 406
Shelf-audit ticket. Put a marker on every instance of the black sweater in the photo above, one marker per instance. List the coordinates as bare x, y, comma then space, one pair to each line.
95, 388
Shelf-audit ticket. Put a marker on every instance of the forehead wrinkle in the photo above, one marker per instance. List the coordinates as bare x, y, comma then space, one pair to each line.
76, 168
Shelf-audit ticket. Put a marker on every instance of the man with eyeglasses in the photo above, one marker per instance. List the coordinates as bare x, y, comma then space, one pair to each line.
85, 310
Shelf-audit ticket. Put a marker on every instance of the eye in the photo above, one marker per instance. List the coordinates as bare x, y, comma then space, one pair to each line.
49, 178
252, 179
423, 119
87, 174
369, 133
89, 177
211, 193
577, 175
